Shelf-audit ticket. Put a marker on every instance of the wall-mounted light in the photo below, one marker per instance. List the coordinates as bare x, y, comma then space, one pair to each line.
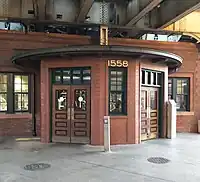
155, 37
59, 16
87, 18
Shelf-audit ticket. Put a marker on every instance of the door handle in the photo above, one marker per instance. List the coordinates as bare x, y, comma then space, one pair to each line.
72, 113
148, 121
68, 113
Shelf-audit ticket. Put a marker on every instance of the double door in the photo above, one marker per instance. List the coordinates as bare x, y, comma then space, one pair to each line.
71, 114
149, 113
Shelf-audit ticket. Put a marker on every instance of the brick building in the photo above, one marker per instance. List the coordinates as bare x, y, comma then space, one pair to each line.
59, 87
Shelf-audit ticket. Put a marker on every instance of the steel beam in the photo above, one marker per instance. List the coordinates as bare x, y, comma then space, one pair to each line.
85, 8
41, 9
171, 11
145, 10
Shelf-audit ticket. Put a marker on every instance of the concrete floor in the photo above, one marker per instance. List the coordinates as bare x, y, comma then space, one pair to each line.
73, 163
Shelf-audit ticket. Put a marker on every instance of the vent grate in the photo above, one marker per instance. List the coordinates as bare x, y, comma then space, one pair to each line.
158, 160
37, 166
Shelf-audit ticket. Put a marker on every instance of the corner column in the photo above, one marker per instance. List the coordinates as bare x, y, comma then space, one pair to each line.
165, 96
44, 109
137, 123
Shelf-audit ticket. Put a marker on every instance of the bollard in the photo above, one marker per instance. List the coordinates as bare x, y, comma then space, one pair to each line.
107, 134
198, 126
171, 121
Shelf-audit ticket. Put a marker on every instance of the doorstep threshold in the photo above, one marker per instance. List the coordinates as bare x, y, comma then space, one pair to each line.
27, 139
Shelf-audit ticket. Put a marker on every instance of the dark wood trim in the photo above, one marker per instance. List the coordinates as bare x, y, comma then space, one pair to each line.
32, 103
10, 94
51, 75
174, 91
172, 60
161, 106
71, 81
124, 91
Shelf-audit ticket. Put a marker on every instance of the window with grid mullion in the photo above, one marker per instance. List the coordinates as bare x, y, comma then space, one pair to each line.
21, 93
3, 101
14, 92
117, 99
3, 92
21, 101
116, 85
181, 100
179, 91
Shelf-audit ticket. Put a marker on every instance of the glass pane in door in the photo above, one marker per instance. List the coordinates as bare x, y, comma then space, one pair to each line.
144, 115
153, 124
61, 100
144, 100
80, 99
153, 100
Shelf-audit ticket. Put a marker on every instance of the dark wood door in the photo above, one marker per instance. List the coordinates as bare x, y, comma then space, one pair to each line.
71, 114
144, 114
149, 113
154, 110
61, 124
80, 116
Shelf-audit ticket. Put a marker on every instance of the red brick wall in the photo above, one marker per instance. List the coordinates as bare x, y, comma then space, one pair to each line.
186, 121
98, 96
21, 125
123, 128
15, 125
15, 40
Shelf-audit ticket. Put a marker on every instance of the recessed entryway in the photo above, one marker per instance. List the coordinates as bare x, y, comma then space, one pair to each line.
71, 105
149, 113
151, 85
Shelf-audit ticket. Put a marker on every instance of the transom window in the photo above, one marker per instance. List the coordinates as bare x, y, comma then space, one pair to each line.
178, 90
72, 76
14, 93
117, 91
151, 78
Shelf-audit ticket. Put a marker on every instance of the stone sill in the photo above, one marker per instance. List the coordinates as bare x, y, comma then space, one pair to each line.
118, 117
16, 116
185, 113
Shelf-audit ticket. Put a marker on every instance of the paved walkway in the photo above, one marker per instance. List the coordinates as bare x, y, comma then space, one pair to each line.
72, 163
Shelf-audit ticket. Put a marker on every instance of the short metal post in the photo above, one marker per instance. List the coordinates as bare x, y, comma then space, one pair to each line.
171, 121
107, 134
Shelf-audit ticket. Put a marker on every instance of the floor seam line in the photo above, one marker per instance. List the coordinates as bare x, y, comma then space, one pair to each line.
116, 169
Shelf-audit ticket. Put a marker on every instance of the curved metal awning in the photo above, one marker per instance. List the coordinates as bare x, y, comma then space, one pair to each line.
156, 56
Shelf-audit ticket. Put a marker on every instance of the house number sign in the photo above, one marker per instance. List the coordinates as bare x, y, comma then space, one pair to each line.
117, 63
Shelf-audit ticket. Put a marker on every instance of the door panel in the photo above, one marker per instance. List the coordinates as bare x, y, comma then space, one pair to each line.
149, 113
144, 116
80, 116
71, 114
61, 114
153, 113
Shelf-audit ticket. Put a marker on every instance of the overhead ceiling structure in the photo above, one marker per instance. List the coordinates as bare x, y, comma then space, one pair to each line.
125, 18
84, 10
147, 8
137, 13
170, 11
